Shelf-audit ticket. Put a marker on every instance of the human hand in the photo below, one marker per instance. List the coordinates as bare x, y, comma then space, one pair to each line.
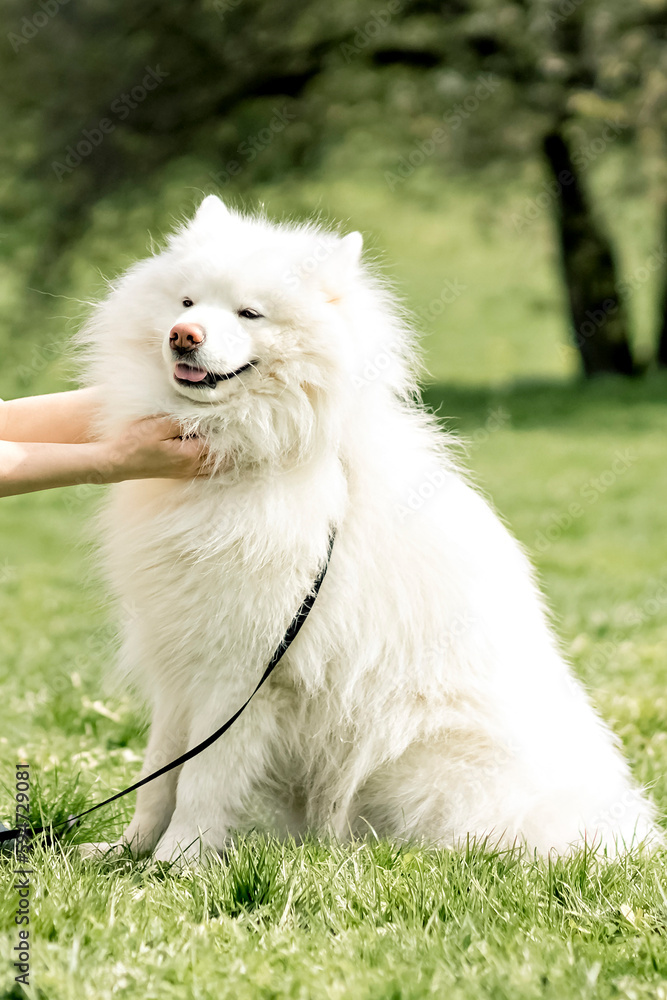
154, 448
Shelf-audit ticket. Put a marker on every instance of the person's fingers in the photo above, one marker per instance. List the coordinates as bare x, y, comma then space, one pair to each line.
192, 447
194, 455
162, 427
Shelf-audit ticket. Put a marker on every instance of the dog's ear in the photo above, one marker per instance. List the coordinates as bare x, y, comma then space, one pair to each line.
327, 264
339, 266
342, 264
347, 255
211, 214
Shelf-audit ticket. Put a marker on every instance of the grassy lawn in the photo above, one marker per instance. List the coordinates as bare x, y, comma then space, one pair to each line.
580, 475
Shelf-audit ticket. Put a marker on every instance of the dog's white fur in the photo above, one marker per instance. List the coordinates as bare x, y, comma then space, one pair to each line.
426, 696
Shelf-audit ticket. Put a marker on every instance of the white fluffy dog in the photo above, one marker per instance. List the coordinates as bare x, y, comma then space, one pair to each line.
425, 696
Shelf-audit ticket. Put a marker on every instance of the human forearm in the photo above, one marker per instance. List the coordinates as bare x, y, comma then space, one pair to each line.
26, 467
59, 418
152, 448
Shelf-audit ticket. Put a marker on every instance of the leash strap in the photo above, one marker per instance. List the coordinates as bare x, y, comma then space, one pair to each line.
290, 635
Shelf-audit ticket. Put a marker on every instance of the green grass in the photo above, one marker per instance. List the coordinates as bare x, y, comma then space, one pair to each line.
317, 921
368, 921
363, 921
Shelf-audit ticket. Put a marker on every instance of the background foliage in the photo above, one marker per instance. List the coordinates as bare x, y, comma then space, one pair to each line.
119, 114
433, 128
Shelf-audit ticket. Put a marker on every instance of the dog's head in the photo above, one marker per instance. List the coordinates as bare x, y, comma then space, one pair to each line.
241, 328
247, 303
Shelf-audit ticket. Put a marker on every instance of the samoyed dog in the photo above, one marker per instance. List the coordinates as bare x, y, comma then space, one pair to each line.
425, 697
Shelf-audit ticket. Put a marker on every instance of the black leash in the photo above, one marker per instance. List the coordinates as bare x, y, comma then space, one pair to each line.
290, 635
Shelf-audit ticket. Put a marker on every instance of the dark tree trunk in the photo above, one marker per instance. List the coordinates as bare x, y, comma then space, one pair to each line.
661, 353
598, 317
662, 339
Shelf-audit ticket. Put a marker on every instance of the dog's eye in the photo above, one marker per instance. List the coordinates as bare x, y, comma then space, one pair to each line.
249, 314
187, 303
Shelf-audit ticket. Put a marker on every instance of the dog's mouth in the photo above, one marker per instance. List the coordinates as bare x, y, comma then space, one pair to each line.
200, 378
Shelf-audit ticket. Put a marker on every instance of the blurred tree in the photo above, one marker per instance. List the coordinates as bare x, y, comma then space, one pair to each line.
565, 63
110, 91
651, 44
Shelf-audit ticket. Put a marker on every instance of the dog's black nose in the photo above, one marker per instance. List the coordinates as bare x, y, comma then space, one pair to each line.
186, 337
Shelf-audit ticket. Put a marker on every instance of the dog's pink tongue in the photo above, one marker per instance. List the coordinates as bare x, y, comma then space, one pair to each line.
189, 374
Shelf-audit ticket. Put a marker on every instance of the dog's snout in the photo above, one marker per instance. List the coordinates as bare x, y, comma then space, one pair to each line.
186, 337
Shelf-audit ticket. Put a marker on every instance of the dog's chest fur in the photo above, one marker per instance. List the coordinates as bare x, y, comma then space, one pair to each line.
210, 577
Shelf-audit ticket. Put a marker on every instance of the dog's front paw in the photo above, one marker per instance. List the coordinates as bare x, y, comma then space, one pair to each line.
186, 850
102, 849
